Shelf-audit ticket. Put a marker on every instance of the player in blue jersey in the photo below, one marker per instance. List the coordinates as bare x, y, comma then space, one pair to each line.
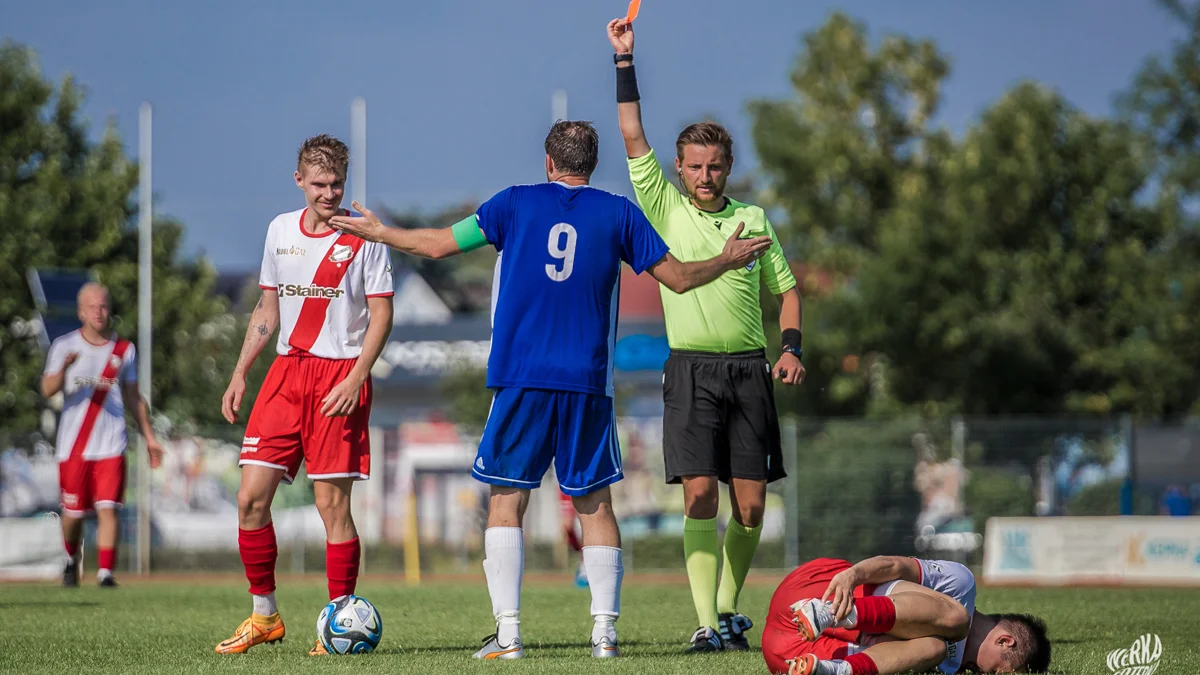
554, 324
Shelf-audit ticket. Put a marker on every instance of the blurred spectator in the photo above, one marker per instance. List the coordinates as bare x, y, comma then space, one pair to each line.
938, 484
1176, 502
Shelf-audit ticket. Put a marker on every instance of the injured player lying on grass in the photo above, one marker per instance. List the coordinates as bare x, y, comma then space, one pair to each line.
894, 615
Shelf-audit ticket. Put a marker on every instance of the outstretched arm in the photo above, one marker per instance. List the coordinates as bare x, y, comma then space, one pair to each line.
682, 277
629, 106
435, 243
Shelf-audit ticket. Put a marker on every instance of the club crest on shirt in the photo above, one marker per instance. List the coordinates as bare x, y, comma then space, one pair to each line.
751, 265
340, 253
114, 361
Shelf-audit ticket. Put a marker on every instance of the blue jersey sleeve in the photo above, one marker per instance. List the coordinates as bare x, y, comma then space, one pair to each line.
495, 217
641, 246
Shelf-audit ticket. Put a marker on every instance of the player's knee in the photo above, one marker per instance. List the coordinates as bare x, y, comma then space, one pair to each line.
930, 650
700, 499
954, 621
749, 515
506, 507
598, 503
332, 502
253, 509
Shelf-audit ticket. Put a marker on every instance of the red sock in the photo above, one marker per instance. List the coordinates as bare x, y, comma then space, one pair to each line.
72, 547
259, 552
341, 567
876, 614
107, 559
861, 664
573, 540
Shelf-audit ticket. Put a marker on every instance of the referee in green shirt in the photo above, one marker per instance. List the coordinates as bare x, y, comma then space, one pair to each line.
719, 420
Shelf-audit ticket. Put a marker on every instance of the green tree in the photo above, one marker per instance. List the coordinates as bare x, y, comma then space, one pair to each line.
1013, 271
837, 156
68, 202
1163, 105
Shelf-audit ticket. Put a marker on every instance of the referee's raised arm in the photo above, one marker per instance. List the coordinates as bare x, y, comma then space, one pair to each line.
629, 106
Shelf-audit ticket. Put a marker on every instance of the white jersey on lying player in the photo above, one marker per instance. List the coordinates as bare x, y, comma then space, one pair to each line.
948, 578
323, 283
93, 414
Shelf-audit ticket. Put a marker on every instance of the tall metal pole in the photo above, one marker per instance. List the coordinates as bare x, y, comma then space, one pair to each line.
358, 193
558, 105
791, 493
358, 150
145, 320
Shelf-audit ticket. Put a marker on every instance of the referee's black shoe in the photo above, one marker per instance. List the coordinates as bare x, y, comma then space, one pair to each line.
733, 629
706, 639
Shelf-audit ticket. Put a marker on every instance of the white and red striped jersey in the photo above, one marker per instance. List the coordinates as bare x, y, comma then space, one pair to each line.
92, 425
323, 283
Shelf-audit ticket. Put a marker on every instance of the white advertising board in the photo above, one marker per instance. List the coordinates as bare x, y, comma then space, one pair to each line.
1116, 550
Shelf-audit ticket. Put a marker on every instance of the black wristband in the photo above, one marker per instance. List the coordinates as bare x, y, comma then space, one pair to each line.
627, 90
791, 338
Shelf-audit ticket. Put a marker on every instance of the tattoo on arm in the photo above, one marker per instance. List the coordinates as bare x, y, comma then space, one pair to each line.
262, 330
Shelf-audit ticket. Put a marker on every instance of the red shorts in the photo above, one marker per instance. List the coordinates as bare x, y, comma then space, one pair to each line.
780, 641
286, 426
87, 485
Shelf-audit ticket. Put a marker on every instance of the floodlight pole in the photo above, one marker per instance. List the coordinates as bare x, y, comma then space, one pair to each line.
358, 150
358, 193
558, 105
145, 321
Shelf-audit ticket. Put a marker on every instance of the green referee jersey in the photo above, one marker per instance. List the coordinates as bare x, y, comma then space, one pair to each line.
723, 316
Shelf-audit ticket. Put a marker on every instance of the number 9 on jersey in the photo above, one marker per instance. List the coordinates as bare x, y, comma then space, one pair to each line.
562, 249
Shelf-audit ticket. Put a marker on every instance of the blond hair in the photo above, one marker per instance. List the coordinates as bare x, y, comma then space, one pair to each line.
324, 152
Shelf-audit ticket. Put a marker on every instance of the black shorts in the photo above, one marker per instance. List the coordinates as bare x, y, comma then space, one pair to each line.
719, 417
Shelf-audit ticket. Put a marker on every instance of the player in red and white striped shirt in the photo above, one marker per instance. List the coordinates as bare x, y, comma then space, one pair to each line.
330, 296
97, 373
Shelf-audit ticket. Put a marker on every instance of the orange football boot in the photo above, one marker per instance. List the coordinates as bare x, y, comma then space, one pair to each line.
253, 631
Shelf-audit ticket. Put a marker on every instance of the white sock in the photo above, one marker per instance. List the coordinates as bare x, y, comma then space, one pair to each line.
851, 619
264, 605
505, 561
103, 574
604, 573
834, 667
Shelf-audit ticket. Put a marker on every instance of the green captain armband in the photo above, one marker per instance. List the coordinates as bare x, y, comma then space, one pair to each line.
467, 234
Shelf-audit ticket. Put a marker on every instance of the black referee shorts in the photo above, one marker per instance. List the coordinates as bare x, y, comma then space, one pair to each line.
719, 417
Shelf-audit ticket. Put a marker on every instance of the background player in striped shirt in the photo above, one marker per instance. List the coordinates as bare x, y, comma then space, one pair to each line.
554, 326
330, 295
719, 418
97, 373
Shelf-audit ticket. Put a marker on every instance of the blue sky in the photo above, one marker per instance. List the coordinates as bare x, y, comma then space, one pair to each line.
459, 92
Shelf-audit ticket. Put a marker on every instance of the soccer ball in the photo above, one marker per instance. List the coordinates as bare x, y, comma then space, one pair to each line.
349, 625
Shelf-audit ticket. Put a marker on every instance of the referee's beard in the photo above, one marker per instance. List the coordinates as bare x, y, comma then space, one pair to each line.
711, 199
707, 192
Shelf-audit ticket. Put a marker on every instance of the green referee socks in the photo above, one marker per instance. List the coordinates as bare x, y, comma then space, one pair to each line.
700, 549
740, 545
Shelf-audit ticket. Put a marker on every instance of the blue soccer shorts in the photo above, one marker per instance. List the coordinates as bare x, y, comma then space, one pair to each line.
529, 428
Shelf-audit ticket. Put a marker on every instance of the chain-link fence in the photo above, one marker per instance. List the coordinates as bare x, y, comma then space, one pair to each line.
856, 488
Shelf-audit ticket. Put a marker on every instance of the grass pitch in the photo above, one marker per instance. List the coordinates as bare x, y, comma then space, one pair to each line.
171, 626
